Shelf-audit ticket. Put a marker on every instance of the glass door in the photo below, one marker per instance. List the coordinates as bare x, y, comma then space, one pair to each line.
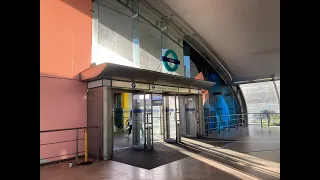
148, 122
142, 121
191, 116
171, 119
157, 117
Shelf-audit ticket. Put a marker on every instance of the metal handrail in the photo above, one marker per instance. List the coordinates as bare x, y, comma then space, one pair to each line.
77, 139
239, 120
67, 129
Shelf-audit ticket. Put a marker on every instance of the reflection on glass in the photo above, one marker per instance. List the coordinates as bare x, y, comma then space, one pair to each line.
138, 121
191, 121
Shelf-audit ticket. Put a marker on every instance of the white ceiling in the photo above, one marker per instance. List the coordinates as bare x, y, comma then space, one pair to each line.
244, 34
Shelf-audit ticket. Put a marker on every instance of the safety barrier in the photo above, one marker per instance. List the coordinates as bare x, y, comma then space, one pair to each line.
264, 119
76, 140
222, 122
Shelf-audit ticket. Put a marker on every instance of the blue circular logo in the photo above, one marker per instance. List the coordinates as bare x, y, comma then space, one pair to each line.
171, 61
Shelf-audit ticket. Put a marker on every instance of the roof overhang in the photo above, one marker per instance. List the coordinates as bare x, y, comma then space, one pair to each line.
124, 73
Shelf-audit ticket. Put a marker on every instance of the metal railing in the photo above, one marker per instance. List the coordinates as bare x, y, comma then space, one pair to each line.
77, 139
264, 119
222, 122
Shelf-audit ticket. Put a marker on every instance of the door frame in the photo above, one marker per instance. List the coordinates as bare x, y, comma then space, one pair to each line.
197, 115
147, 126
176, 119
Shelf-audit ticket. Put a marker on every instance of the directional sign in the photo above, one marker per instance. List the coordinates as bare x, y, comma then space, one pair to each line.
165, 88
129, 85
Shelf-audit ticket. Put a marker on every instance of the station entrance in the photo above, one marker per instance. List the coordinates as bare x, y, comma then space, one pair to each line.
154, 117
163, 108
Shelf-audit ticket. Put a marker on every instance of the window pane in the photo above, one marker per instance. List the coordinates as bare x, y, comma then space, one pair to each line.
260, 98
278, 86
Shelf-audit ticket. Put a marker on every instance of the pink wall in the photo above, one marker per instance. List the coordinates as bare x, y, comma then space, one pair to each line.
65, 51
63, 104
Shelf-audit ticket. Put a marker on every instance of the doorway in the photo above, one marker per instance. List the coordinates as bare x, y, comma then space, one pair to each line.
142, 137
155, 118
171, 119
190, 121
161, 116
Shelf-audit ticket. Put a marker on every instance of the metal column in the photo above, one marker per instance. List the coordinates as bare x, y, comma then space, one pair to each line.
151, 121
201, 116
107, 124
164, 118
178, 134
144, 121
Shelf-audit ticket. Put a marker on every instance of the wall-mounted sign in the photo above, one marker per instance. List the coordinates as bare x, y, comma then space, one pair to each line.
184, 90
171, 64
129, 85
194, 91
188, 90
164, 88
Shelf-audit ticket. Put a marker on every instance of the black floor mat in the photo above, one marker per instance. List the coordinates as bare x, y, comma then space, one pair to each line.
160, 155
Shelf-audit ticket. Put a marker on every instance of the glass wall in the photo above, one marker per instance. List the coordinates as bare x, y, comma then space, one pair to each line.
278, 86
262, 101
130, 35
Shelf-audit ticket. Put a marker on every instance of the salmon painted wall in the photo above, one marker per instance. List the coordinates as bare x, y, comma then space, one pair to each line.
65, 37
65, 51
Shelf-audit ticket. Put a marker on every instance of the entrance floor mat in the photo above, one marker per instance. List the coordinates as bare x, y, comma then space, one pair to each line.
160, 155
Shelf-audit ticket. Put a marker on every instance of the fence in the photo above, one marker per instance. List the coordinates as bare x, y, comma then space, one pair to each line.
50, 148
264, 119
222, 122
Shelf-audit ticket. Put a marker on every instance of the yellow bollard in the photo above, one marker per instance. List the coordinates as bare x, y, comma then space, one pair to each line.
85, 145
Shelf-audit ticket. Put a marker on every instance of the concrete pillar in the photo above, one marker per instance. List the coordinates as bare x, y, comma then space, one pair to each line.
107, 124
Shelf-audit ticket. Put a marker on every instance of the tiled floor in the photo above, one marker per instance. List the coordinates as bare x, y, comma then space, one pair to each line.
196, 166
187, 168
253, 155
122, 140
254, 140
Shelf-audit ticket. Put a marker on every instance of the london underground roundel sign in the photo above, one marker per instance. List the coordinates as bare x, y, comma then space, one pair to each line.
171, 64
